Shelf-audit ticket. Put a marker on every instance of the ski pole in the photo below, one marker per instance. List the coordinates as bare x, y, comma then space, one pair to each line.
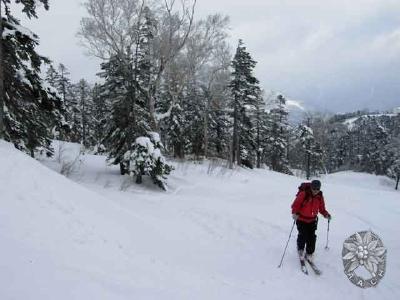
284, 252
327, 236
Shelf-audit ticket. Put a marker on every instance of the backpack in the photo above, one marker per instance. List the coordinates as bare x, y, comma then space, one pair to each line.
305, 187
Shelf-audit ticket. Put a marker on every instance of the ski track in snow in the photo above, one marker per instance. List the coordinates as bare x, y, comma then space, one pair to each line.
216, 234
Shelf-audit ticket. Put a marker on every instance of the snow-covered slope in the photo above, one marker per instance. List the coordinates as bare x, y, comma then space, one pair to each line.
350, 123
216, 234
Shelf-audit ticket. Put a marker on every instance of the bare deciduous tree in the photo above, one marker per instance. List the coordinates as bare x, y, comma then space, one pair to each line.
112, 29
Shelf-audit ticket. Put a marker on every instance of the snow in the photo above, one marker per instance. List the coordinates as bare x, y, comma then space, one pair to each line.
295, 104
146, 143
155, 137
160, 117
350, 123
21, 29
217, 233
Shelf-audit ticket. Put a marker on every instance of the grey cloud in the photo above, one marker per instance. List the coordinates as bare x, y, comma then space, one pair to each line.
336, 55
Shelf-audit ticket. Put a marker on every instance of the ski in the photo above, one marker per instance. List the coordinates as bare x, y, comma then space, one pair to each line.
303, 266
314, 267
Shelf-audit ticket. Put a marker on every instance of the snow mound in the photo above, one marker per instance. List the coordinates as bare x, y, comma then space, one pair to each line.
60, 240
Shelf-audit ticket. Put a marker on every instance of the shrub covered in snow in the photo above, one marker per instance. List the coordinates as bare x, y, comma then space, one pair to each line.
146, 159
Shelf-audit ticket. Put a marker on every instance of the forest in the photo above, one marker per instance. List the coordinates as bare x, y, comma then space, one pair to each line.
171, 87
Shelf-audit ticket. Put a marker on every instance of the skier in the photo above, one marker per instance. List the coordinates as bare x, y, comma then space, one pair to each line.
309, 201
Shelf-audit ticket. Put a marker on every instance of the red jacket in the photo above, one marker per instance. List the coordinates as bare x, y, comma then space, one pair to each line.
308, 209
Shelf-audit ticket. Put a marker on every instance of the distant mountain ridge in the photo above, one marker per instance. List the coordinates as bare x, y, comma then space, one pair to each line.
295, 108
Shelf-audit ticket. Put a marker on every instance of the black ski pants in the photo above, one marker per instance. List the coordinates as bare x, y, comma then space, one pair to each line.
306, 237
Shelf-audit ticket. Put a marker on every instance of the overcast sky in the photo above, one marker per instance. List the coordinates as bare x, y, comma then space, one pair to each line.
331, 55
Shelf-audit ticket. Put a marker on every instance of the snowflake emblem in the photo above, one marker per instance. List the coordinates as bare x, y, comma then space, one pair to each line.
364, 249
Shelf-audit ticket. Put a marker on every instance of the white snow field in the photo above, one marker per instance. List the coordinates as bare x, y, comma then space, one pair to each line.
215, 234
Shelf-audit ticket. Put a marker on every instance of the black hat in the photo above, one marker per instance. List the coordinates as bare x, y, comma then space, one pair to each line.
316, 185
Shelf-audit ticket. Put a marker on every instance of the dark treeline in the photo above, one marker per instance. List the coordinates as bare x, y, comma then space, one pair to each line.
170, 85
360, 141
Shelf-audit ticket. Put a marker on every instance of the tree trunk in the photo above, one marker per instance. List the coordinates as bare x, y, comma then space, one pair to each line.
206, 129
122, 169
230, 154
83, 96
153, 119
308, 158
235, 136
218, 145
397, 182
2, 93
178, 150
139, 179
238, 158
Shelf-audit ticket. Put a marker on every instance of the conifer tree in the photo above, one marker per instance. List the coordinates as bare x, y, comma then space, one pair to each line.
101, 114
31, 110
29, 9
127, 79
278, 136
260, 121
216, 119
145, 158
245, 90
309, 149
51, 76
118, 138
85, 118
59, 79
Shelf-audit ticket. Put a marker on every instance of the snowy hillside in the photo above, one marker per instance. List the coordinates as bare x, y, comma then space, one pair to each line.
216, 234
351, 121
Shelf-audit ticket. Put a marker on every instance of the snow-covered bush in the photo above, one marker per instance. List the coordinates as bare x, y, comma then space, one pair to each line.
70, 157
146, 159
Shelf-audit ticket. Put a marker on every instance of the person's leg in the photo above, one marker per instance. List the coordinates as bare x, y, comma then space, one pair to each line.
311, 238
301, 237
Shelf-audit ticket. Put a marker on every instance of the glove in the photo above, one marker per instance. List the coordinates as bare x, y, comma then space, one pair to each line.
295, 216
329, 217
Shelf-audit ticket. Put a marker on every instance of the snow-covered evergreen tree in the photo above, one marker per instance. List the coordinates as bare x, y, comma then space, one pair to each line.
194, 107
310, 150
217, 122
278, 136
85, 119
245, 92
60, 81
367, 139
175, 130
101, 113
51, 76
260, 120
120, 128
172, 115
145, 158
31, 110
127, 79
